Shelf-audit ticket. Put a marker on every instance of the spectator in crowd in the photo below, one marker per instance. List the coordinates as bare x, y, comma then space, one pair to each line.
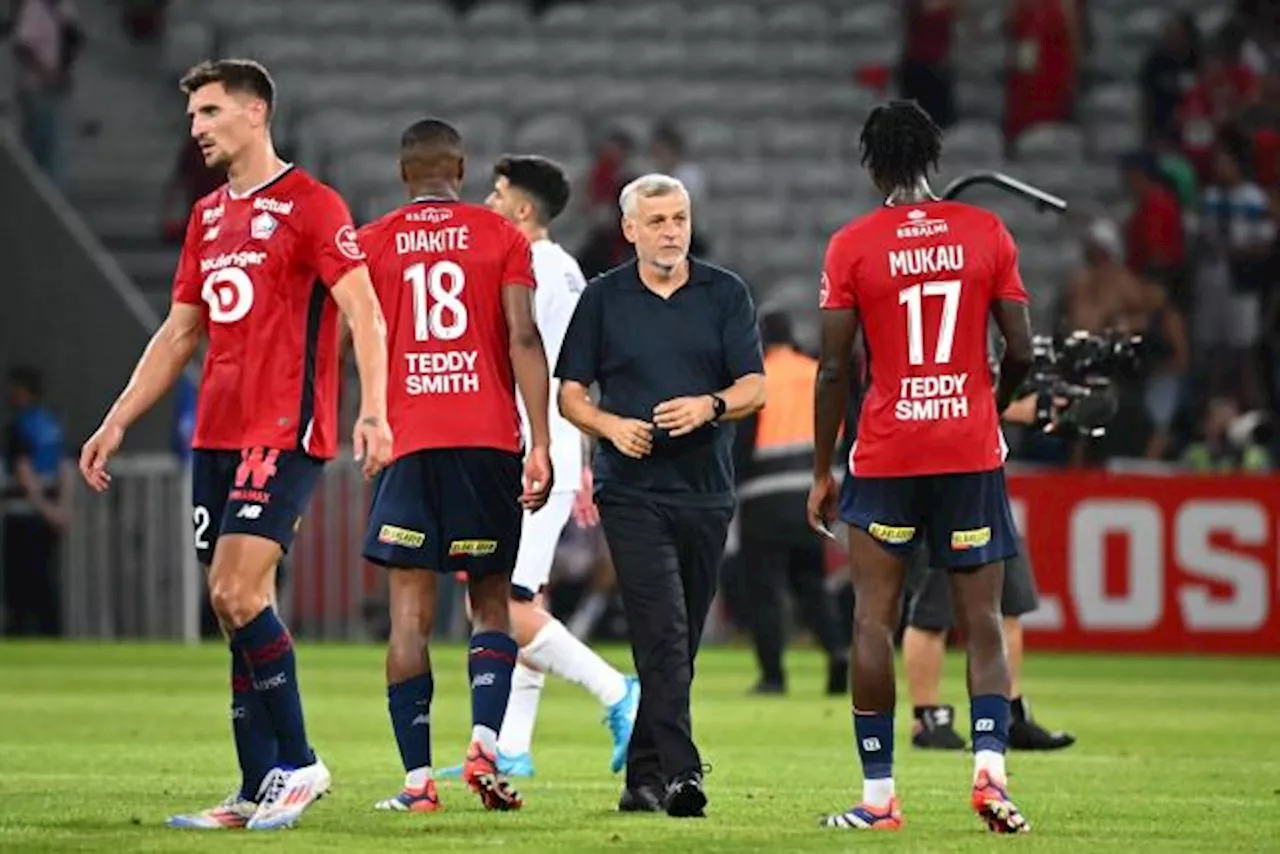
1259, 24
36, 509
1167, 358
605, 245
1224, 86
1228, 444
1168, 73
1045, 48
924, 73
1175, 171
1154, 235
1259, 123
1105, 292
670, 157
46, 42
1235, 243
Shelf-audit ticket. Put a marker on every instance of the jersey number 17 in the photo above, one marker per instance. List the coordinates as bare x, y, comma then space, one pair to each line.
913, 298
438, 310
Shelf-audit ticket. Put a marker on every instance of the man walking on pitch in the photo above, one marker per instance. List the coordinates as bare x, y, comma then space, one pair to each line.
922, 277
531, 192
457, 287
266, 258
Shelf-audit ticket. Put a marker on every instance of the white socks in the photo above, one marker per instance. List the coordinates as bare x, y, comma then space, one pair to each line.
522, 711
992, 763
417, 778
877, 793
487, 738
554, 650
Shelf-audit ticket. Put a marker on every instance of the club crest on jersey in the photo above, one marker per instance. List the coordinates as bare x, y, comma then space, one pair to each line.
347, 243
262, 226
919, 224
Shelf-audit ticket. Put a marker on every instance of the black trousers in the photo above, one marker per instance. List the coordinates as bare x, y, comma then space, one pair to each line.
667, 559
772, 569
30, 565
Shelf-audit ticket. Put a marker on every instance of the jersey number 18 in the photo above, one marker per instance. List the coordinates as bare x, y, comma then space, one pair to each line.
438, 311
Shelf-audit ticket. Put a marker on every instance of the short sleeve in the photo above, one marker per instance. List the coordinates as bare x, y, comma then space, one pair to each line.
18, 443
186, 279
837, 276
1007, 284
518, 268
335, 248
740, 333
579, 360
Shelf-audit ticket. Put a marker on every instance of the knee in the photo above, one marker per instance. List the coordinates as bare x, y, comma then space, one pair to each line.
234, 601
524, 621
984, 631
490, 612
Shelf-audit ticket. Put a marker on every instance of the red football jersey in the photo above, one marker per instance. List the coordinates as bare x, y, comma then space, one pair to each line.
923, 279
261, 265
439, 268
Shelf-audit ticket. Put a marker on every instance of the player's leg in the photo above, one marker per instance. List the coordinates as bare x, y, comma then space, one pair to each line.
766, 569
1018, 598
546, 646
403, 535
482, 523
270, 492
883, 519
972, 538
808, 576
924, 647
212, 474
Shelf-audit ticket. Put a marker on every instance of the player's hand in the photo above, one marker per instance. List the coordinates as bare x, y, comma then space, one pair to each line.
373, 443
95, 454
538, 478
632, 437
682, 415
585, 511
822, 503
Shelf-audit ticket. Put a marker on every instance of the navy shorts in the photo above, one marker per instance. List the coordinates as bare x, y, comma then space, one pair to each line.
258, 491
964, 518
449, 510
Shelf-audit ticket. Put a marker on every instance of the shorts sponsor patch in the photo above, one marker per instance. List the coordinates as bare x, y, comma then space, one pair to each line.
975, 539
894, 535
472, 548
393, 536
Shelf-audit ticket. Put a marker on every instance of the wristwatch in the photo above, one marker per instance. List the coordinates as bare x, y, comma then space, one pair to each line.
719, 407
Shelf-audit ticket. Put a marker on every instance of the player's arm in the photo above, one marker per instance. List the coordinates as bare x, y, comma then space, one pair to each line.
528, 361
358, 303
1009, 309
831, 387
166, 354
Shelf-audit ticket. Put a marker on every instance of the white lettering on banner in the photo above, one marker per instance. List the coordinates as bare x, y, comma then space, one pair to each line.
1047, 617
1142, 605
449, 239
1248, 606
452, 372
932, 398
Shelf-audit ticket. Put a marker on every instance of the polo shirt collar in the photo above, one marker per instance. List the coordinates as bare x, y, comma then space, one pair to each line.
699, 274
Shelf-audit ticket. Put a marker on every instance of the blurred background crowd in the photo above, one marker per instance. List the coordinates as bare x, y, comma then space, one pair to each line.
1158, 121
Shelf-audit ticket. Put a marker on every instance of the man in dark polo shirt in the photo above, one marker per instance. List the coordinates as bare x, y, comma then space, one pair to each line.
674, 346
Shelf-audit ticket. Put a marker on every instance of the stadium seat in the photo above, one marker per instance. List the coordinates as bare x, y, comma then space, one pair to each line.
1054, 142
1142, 27
868, 22
499, 17
647, 21
556, 135
710, 19
974, 140
799, 19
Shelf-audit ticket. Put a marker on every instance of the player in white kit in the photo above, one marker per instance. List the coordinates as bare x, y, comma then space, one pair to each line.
531, 192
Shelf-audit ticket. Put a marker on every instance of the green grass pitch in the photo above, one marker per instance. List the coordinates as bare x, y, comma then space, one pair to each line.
99, 743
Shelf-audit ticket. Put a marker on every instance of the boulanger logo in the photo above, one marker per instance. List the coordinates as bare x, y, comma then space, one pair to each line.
472, 548
894, 535
975, 539
394, 536
229, 294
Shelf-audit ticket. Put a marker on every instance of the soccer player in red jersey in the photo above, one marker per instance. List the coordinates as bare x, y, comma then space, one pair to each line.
922, 277
268, 261
456, 283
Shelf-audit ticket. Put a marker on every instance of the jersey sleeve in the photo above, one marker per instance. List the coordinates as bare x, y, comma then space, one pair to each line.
186, 278
837, 276
580, 353
331, 238
518, 267
1007, 284
740, 334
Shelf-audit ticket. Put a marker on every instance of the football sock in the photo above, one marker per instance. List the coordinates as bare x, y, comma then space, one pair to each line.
409, 703
266, 645
874, 734
251, 726
516, 736
554, 650
990, 716
490, 662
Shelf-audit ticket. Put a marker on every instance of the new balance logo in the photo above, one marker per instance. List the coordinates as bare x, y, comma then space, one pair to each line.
267, 684
250, 511
984, 725
482, 680
423, 719
871, 745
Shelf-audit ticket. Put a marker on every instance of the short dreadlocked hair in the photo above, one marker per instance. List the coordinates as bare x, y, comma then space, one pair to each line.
900, 143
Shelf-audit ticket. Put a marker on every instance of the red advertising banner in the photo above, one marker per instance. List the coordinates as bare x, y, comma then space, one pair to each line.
1136, 563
